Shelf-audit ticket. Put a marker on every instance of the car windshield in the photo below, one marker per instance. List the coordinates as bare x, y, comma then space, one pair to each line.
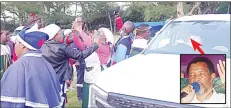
15, 32
175, 38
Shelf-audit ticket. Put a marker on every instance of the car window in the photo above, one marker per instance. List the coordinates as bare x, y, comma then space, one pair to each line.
175, 38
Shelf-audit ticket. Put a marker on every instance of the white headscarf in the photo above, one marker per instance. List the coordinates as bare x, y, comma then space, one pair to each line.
67, 31
108, 34
51, 30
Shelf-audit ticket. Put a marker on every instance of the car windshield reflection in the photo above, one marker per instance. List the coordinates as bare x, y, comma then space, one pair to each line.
214, 36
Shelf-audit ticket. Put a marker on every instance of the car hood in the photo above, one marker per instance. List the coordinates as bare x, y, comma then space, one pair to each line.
153, 76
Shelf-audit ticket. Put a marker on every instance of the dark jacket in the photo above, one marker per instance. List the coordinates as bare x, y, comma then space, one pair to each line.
126, 42
58, 55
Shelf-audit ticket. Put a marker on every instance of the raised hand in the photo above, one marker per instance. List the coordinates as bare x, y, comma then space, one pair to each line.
221, 71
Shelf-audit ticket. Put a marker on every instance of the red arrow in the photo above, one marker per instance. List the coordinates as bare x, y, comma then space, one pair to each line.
197, 45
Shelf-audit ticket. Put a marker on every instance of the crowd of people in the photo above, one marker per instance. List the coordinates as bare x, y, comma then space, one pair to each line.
37, 69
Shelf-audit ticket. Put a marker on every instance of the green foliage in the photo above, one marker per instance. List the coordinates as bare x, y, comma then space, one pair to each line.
8, 25
153, 13
223, 8
99, 12
167, 3
51, 12
187, 7
96, 13
95, 10
135, 12
73, 102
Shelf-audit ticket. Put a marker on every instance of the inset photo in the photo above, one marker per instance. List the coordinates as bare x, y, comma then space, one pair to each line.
203, 79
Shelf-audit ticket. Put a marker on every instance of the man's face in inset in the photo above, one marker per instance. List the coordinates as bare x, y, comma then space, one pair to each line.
199, 72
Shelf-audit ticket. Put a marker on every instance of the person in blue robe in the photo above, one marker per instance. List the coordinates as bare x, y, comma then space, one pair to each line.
30, 81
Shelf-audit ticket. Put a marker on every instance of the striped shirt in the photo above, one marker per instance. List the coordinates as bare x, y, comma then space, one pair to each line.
5, 58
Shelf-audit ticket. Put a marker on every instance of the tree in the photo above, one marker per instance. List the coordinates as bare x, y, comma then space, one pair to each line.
3, 15
159, 12
199, 8
223, 8
96, 13
135, 12
180, 9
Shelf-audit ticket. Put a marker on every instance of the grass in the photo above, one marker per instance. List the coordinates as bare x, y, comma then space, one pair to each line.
72, 100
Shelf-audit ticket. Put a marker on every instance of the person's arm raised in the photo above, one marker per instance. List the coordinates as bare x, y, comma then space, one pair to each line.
84, 36
221, 72
76, 54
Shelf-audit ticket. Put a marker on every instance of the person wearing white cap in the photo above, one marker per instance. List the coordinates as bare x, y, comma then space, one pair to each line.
108, 34
58, 55
30, 81
67, 32
67, 36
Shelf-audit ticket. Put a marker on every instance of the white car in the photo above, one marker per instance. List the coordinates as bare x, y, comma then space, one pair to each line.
152, 78
14, 34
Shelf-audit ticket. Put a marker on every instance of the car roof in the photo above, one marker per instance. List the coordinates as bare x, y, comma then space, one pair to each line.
205, 17
19, 28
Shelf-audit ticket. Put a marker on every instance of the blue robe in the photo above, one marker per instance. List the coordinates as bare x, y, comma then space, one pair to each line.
30, 82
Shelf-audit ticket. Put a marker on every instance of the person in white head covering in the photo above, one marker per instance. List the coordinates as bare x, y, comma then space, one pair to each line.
109, 35
67, 32
67, 39
30, 81
105, 50
58, 55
